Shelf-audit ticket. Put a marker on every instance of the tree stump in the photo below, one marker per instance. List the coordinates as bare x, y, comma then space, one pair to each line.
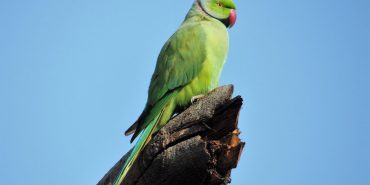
199, 146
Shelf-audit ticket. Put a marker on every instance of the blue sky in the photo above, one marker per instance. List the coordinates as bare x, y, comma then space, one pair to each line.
74, 75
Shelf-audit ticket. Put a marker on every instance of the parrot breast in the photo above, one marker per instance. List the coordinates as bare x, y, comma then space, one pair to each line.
216, 43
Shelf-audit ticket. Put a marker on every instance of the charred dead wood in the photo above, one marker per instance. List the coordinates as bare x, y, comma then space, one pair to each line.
199, 146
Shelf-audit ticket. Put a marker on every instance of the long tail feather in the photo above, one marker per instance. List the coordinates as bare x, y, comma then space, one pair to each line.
161, 112
143, 140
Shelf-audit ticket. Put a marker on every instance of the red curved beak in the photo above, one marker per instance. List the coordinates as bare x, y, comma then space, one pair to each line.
232, 18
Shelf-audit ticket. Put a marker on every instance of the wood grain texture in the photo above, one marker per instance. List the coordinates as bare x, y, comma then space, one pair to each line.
199, 146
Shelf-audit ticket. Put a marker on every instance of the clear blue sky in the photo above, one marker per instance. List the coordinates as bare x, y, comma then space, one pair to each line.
74, 75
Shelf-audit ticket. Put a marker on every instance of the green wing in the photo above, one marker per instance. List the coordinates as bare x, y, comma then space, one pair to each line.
179, 61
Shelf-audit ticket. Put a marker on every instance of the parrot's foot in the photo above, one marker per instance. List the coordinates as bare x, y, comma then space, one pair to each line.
196, 98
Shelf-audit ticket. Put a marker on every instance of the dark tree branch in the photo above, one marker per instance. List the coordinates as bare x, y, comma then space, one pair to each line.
200, 146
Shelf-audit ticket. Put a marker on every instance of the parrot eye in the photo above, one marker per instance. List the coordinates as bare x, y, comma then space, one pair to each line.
220, 4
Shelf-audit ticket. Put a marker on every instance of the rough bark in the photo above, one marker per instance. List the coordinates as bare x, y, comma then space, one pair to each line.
199, 146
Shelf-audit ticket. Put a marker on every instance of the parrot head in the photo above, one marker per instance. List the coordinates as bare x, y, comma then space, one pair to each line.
223, 10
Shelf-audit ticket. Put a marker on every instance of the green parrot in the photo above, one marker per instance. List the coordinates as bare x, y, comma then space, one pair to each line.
189, 65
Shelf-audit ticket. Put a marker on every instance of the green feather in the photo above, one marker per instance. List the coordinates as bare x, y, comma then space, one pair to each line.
160, 113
